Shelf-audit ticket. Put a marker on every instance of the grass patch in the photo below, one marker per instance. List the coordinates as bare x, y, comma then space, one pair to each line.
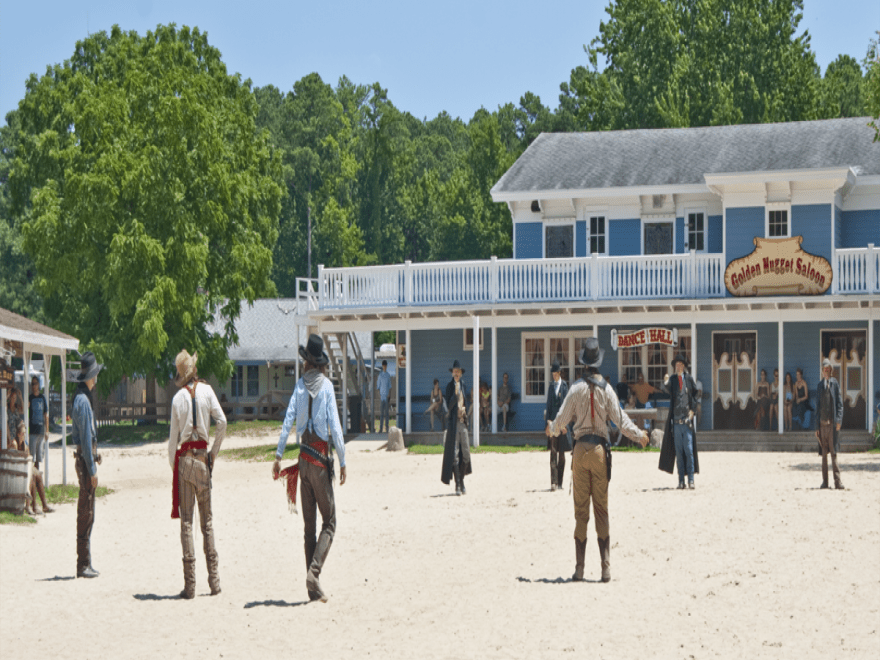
261, 453
129, 434
508, 449
7, 518
61, 494
482, 449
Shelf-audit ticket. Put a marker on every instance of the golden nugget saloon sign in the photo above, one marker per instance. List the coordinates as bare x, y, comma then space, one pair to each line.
778, 267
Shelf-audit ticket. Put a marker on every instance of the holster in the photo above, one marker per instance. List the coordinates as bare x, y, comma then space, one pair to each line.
607, 447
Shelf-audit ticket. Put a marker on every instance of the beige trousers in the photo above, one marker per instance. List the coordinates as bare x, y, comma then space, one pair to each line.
590, 483
195, 486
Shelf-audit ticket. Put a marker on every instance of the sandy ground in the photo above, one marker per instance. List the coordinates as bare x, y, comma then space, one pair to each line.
755, 563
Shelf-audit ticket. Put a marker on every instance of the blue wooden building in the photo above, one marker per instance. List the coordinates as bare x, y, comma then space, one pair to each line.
747, 248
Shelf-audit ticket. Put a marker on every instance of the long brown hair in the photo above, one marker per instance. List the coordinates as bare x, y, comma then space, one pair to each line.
19, 403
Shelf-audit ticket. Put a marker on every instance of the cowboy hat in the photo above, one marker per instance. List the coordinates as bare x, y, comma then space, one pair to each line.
186, 367
313, 351
592, 355
554, 368
88, 367
456, 365
679, 357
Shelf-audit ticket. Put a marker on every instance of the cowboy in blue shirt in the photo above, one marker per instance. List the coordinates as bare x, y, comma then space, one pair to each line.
383, 384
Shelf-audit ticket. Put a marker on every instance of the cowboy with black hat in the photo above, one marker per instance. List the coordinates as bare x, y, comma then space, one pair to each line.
679, 439
590, 404
456, 451
830, 419
193, 465
84, 435
558, 445
313, 409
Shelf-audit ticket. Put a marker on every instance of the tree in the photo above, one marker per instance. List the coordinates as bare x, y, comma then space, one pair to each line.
17, 271
872, 84
147, 198
698, 63
841, 89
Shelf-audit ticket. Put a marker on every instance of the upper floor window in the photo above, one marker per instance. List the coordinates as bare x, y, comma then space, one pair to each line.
597, 234
559, 241
658, 237
696, 231
778, 223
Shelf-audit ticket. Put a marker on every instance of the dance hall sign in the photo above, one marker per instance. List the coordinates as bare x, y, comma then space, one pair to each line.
644, 337
778, 267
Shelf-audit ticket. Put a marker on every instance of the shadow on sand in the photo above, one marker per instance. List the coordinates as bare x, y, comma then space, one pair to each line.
274, 603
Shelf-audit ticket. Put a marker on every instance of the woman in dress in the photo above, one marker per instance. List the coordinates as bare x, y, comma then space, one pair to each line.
788, 393
762, 393
774, 398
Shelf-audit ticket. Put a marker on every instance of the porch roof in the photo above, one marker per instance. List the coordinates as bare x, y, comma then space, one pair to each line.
557, 162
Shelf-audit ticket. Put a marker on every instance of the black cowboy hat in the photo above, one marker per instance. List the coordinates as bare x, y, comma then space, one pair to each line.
679, 357
554, 368
88, 367
456, 365
592, 355
313, 351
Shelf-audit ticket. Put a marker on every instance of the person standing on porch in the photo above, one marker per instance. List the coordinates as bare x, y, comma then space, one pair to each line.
313, 409
679, 439
557, 445
504, 397
84, 436
39, 429
456, 450
193, 465
590, 404
383, 384
830, 419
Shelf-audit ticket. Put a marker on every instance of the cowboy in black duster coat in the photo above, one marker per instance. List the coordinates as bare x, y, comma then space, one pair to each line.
456, 453
667, 449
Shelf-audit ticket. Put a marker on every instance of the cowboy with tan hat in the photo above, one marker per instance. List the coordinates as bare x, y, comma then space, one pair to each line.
191, 411
84, 435
830, 419
590, 404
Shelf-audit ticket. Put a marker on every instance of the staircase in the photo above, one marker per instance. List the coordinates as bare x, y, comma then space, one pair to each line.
358, 376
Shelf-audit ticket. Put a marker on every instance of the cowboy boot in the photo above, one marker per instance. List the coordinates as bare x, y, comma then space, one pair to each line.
463, 489
456, 474
580, 551
189, 579
605, 555
824, 471
38, 480
553, 481
560, 471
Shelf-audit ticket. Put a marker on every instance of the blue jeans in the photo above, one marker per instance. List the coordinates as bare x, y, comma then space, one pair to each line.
383, 415
684, 450
35, 443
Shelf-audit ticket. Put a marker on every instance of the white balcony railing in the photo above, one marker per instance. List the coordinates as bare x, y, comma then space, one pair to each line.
856, 270
517, 280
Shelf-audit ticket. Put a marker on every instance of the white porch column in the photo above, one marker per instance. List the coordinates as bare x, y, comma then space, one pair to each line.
47, 361
780, 421
372, 381
26, 386
475, 390
694, 356
63, 358
409, 362
345, 382
494, 379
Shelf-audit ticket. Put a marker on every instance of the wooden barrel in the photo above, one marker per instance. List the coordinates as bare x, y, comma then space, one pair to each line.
13, 480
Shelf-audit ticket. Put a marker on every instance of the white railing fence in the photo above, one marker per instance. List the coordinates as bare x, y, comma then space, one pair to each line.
857, 270
520, 280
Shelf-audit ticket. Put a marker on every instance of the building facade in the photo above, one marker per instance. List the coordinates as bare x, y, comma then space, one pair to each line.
747, 248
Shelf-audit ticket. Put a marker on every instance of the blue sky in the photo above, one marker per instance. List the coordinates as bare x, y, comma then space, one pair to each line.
457, 55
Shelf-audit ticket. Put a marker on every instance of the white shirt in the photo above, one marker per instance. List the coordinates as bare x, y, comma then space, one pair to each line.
207, 406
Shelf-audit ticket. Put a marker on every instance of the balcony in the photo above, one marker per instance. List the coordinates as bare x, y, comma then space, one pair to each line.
517, 281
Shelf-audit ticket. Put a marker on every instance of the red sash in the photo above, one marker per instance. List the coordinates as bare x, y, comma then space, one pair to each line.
175, 492
292, 473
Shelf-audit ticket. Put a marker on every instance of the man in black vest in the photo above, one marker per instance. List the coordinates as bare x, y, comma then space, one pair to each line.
679, 439
830, 419
557, 445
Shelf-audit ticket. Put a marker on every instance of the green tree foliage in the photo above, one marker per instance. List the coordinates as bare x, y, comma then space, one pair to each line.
841, 89
17, 271
147, 198
872, 84
697, 63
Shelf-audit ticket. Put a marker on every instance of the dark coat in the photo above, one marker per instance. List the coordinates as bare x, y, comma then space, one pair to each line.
667, 449
554, 403
451, 427
837, 406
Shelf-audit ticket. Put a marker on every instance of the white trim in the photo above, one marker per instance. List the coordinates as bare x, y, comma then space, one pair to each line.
778, 206
763, 176
587, 219
579, 193
573, 337
664, 219
696, 209
560, 222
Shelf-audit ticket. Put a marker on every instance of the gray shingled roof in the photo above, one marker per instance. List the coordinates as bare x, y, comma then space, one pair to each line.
659, 157
266, 332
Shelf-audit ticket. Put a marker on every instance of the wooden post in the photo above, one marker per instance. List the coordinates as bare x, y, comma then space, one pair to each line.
409, 363
475, 391
63, 358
